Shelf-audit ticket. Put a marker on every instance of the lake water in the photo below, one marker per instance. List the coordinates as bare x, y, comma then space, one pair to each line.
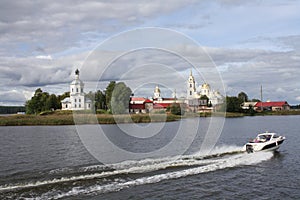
51, 162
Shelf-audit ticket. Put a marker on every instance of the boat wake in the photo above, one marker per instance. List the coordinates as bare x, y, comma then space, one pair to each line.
99, 179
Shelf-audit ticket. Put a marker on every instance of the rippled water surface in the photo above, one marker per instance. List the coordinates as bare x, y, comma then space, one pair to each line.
50, 162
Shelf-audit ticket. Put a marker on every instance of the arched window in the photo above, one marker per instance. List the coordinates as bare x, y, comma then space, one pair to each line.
190, 85
75, 100
79, 100
190, 92
76, 89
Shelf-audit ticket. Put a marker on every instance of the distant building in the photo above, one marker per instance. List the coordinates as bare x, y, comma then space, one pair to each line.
77, 99
203, 100
140, 105
272, 106
197, 99
248, 105
157, 102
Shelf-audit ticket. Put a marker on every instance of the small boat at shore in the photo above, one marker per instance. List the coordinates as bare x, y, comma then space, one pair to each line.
264, 142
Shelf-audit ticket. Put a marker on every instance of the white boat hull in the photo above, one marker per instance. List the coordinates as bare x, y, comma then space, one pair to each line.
272, 144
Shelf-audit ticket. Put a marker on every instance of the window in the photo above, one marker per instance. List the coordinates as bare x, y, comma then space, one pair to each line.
75, 100
190, 92
79, 100
79, 106
72, 89
66, 105
89, 105
76, 89
190, 85
81, 90
75, 106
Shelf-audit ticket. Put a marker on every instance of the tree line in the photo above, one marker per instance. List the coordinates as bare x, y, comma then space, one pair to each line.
233, 103
114, 99
11, 109
43, 101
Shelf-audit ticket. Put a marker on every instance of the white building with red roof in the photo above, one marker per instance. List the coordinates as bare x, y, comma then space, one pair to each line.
272, 105
157, 102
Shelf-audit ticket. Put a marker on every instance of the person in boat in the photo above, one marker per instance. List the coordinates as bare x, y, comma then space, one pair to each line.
259, 139
268, 137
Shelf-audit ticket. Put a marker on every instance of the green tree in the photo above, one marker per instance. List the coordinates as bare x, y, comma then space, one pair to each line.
209, 104
42, 101
100, 100
108, 93
52, 103
120, 99
204, 100
36, 104
233, 104
243, 97
176, 109
255, 100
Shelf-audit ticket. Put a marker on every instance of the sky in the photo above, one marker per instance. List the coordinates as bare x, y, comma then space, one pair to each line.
231, 44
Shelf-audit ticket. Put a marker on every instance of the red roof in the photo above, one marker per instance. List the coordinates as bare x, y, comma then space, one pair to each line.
271, 104
148, 101
137, 99
161, 105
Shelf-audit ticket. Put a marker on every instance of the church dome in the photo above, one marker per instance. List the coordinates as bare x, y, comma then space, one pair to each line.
205, 86
77, 82
157, 90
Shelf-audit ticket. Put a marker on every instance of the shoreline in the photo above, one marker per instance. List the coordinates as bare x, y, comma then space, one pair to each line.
67, 118
83, 118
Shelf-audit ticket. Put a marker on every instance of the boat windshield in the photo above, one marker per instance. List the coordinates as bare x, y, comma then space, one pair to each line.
262, 138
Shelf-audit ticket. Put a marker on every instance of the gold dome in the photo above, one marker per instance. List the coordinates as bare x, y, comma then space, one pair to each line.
157, 90
205, 86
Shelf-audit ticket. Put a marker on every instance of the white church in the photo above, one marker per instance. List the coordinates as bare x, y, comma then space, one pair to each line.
214, 97
77, 99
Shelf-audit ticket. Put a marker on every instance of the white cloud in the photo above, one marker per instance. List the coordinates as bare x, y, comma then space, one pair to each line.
43, 43
46, 57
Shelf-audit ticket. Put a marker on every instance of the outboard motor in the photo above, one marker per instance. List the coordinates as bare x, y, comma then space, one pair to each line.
249, 148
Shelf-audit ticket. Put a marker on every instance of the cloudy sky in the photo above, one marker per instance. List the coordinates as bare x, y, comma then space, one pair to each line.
251, 43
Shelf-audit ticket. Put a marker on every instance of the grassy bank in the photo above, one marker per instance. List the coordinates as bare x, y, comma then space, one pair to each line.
265, 113
67, 118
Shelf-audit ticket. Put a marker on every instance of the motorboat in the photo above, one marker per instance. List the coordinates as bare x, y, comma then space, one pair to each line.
264, 142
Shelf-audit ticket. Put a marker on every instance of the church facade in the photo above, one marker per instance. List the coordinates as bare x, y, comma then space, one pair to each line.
77, 99
195, 97
202, 100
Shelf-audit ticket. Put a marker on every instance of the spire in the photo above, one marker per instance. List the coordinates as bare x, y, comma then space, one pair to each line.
191, 73
174, 94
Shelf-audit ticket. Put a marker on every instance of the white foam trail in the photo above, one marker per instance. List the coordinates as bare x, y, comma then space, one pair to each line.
226, 149
233, 161
127, 167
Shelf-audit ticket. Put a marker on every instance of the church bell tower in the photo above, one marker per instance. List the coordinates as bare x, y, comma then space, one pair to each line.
191, 86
